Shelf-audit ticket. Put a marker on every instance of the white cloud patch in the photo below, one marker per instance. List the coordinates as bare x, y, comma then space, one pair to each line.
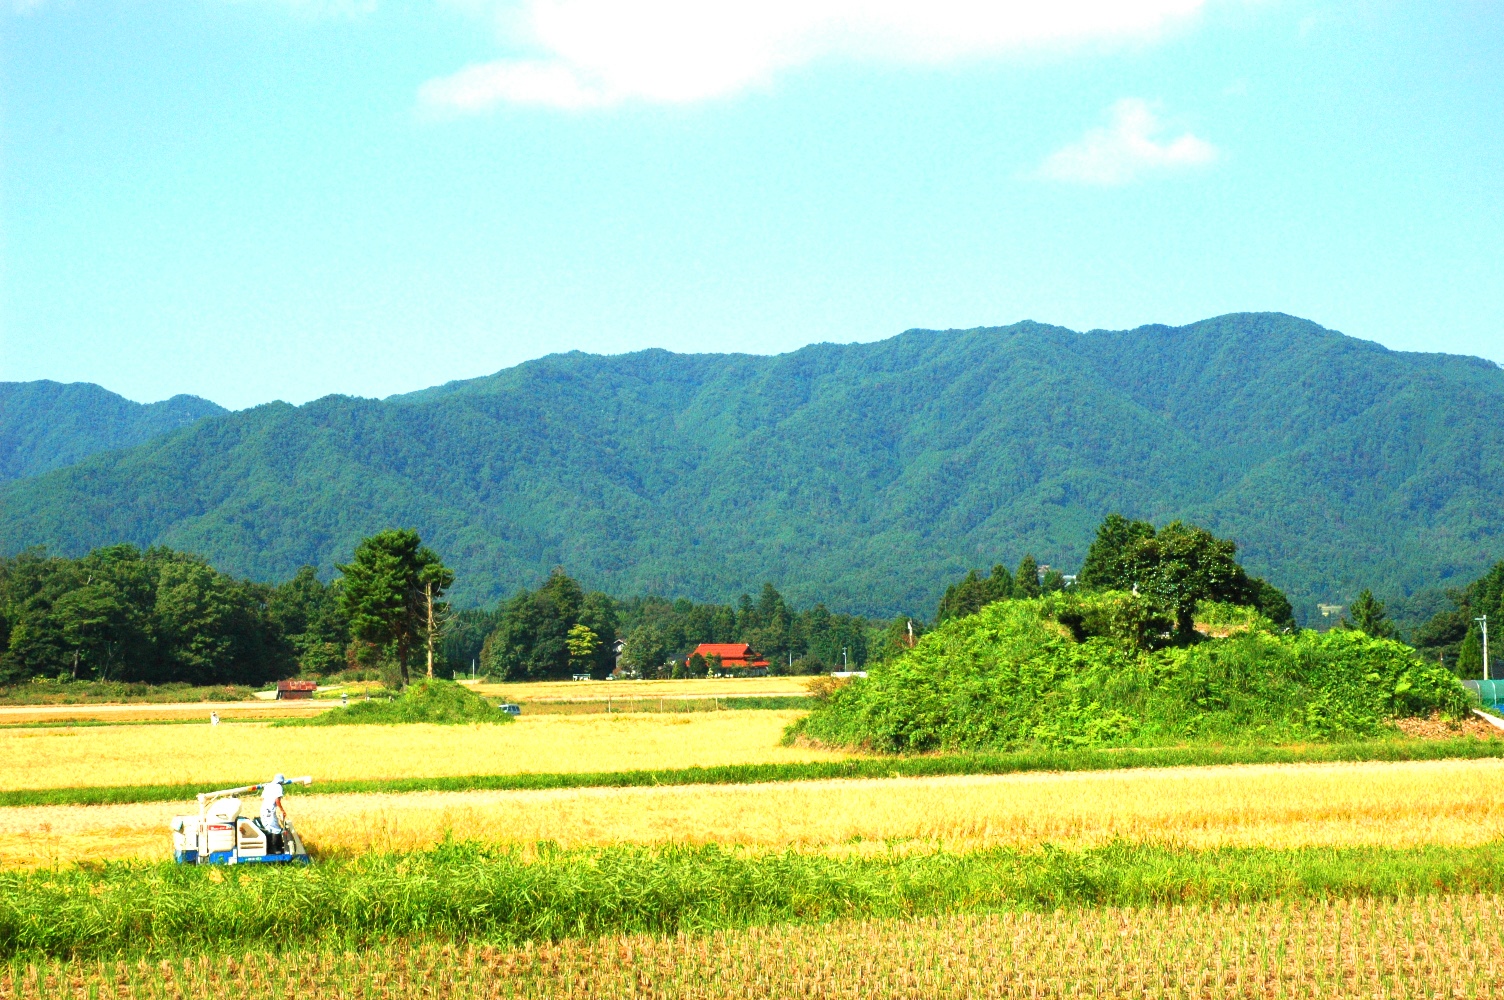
1129, 148
603, 52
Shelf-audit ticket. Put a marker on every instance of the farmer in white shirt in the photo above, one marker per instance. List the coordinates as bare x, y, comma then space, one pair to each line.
271, 805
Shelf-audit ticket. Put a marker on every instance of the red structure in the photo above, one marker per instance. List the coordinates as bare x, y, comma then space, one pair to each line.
733, 655
290, 690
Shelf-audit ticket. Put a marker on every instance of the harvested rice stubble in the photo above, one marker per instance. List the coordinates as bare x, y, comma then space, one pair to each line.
1441, 945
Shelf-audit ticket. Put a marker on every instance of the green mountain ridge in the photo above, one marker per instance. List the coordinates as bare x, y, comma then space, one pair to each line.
47, 425
864, 475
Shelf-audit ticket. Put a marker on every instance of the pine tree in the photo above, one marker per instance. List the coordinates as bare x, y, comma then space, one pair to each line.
1368, 616
1026, 582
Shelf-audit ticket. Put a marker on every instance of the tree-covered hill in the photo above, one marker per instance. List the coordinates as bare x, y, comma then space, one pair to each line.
867, 476
47, 425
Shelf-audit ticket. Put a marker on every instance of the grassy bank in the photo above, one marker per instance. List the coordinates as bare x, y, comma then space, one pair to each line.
888, 767
469, 892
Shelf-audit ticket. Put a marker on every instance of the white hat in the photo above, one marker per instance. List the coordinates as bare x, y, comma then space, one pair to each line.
279, 780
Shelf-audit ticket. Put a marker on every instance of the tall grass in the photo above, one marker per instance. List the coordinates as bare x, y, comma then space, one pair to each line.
888, 767
468, 892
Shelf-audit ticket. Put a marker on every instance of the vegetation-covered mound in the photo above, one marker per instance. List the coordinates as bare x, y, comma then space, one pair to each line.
1077, 670
442, 702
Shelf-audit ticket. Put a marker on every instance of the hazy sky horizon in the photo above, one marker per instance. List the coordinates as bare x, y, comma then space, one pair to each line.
251, 200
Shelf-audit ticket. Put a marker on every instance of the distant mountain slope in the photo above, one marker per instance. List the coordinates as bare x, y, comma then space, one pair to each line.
866, 475
47, 425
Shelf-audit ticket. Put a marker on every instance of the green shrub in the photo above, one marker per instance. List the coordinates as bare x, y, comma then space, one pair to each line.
1079, 671
436, 701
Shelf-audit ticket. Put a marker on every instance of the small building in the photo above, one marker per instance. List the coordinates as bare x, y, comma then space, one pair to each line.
736, 658
296, 690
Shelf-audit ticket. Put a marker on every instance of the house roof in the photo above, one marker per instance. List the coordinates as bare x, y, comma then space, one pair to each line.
725, 650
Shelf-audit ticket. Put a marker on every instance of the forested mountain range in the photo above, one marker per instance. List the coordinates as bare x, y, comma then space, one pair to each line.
866, 475
47, 425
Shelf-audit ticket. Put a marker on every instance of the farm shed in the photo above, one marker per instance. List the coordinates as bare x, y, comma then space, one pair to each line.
292, 690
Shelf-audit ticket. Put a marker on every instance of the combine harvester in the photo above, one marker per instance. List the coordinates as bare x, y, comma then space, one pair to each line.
219, 835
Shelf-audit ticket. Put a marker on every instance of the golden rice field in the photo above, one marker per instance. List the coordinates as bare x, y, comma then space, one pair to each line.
149, 755
1438, 946
1384, 804
178, 712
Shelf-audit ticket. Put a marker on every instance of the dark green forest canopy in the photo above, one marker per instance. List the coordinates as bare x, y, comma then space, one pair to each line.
159, 616
864, 476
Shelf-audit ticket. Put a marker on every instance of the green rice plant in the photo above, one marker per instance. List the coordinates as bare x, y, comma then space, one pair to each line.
469, 892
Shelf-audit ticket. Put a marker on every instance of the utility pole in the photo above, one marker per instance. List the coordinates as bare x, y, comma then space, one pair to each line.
911, 633
844, 664
1484, 620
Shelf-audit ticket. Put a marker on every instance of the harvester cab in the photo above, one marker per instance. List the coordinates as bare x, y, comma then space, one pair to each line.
219, 835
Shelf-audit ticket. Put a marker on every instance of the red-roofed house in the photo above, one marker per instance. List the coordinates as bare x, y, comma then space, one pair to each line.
734, 656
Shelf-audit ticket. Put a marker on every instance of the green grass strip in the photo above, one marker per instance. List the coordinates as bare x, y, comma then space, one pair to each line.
1466, 748
470, 892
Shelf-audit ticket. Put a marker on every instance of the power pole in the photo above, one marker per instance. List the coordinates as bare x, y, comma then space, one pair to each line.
1484, 620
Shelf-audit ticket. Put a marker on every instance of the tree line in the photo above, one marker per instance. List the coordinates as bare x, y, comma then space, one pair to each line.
158, 616
1173, 567
560, 629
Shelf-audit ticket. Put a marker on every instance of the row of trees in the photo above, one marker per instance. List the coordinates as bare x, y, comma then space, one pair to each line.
1176, 566
974, 591
662, 633
158, 616
120, 613
560, 629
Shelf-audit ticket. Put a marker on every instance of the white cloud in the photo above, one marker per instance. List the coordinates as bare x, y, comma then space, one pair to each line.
1126, 150
601, 52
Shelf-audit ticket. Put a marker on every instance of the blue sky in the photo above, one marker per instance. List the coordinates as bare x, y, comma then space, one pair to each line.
260, 199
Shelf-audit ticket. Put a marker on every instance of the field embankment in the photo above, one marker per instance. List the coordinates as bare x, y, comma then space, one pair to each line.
1452, 803
1307, 949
